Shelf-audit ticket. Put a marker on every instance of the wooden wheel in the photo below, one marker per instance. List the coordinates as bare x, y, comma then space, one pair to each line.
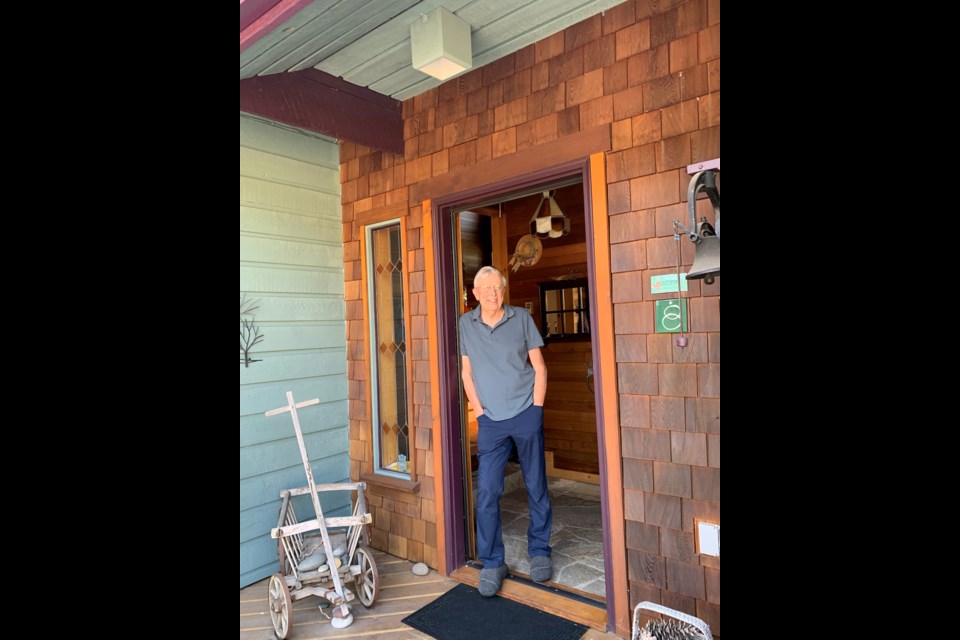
368, 580
281, 609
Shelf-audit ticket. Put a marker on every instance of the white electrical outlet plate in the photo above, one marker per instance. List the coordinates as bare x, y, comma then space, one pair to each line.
529, 307
708, 538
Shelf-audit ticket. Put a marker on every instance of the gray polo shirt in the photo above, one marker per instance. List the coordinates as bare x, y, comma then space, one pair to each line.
502, 372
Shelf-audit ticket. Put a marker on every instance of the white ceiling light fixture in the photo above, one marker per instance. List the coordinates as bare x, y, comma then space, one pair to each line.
440, 42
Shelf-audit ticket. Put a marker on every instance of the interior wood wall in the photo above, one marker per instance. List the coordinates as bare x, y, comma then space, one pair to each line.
570, 427
569, 414
561, 256
474, 249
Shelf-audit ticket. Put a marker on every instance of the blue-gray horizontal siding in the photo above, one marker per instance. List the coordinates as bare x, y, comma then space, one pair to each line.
291, 263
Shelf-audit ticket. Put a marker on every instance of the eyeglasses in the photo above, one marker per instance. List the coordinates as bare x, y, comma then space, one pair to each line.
489, 288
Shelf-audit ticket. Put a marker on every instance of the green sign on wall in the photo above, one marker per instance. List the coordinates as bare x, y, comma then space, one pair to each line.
667, 283
669, 315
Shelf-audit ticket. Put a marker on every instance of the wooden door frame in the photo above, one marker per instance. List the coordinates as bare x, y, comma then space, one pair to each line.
447, 441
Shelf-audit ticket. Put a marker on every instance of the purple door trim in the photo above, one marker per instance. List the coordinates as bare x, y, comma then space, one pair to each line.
451, 439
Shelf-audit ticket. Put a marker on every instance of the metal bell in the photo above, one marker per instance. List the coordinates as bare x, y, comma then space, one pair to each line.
707, 262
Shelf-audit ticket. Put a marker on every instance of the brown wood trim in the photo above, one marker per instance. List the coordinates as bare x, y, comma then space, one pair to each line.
608, 366
558, 605
463, 285
430, 276
395, 210
572, 147
500, 255
411, 486
408, 323
365, 301
566, 474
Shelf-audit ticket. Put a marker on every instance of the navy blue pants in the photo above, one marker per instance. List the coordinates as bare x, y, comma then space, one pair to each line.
495, 441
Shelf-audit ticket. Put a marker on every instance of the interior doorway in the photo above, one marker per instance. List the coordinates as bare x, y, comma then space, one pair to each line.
554, 287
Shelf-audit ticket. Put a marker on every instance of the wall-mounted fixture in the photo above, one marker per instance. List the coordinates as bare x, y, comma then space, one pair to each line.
707, 537
440, 42
706, 264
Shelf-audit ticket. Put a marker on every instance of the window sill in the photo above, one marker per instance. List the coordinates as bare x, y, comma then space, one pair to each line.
392, 483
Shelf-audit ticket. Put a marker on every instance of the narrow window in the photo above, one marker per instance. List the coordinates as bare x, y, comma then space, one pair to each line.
388, 350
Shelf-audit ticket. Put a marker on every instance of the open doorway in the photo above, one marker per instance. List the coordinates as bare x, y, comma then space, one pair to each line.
555, 290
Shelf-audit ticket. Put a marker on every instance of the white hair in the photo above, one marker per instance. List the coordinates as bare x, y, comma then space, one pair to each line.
486, 271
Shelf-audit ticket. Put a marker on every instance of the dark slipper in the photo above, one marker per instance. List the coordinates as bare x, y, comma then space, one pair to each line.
491, 579
541, 569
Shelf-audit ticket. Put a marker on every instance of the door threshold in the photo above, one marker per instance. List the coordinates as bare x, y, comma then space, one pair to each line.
567, 605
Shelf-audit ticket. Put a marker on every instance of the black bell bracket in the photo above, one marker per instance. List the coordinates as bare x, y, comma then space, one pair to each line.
705, 181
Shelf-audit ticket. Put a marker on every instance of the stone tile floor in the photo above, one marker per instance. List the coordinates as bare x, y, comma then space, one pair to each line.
576, 538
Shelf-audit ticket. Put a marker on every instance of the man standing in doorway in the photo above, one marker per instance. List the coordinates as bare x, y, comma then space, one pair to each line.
505, 379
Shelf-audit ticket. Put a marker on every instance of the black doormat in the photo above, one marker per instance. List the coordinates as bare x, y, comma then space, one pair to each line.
463, 614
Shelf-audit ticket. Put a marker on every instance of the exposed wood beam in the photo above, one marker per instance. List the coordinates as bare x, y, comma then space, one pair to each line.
314, 100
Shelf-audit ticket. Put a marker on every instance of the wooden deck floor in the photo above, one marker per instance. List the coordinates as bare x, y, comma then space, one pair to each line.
401, 593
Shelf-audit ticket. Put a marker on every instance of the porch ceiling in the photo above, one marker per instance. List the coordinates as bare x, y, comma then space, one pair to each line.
340, 67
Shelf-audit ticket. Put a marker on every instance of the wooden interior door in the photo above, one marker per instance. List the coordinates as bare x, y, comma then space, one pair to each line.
466, 223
